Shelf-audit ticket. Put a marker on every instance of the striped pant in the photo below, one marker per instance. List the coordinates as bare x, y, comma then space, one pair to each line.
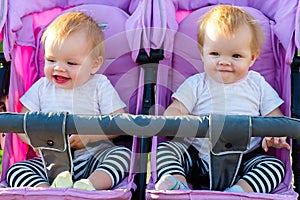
262, 172
114, 161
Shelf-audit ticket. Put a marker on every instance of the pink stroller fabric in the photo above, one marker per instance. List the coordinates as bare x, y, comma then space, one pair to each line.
176, 33
21, 32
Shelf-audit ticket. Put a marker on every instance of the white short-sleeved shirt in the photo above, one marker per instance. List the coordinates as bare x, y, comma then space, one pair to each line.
97, 96
201, 95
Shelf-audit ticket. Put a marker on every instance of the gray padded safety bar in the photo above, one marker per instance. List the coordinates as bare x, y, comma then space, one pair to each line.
147, 125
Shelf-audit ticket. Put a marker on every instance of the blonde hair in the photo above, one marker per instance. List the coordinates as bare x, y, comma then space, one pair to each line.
70, 22
228, 19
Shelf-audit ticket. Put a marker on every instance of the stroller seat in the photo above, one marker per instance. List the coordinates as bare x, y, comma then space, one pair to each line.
182, 59
22, 47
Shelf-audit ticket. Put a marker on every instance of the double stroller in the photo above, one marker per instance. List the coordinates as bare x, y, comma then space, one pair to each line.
151, 49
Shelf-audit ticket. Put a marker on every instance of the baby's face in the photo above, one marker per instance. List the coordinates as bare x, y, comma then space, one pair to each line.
69, 64
227, 59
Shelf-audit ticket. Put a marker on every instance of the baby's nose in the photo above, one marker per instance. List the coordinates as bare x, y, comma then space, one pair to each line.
59, 67
224, 61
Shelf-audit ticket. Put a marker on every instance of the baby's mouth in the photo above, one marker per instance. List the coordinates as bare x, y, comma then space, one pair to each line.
60, 79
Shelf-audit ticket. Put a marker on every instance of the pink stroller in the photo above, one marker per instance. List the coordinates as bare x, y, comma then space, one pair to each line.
22, 26
175, 31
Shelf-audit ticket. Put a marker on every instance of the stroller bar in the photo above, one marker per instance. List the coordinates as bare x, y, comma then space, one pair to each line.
147, 125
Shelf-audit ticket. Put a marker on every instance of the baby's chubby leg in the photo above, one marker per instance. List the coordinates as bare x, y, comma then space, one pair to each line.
112, 166
98, 180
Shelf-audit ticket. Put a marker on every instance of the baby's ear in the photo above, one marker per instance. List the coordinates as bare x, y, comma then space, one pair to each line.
253, 59
97, 64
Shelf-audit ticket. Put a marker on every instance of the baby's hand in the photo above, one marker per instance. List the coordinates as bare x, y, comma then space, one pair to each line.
77, 142
36, 150
277, 142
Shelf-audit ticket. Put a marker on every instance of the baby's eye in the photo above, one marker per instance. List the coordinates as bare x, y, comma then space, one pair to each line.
214, 53
50, 60
236, 56
72, 63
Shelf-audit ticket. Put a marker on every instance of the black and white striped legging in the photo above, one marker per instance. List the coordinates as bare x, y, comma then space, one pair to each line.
262, 172
114, 161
